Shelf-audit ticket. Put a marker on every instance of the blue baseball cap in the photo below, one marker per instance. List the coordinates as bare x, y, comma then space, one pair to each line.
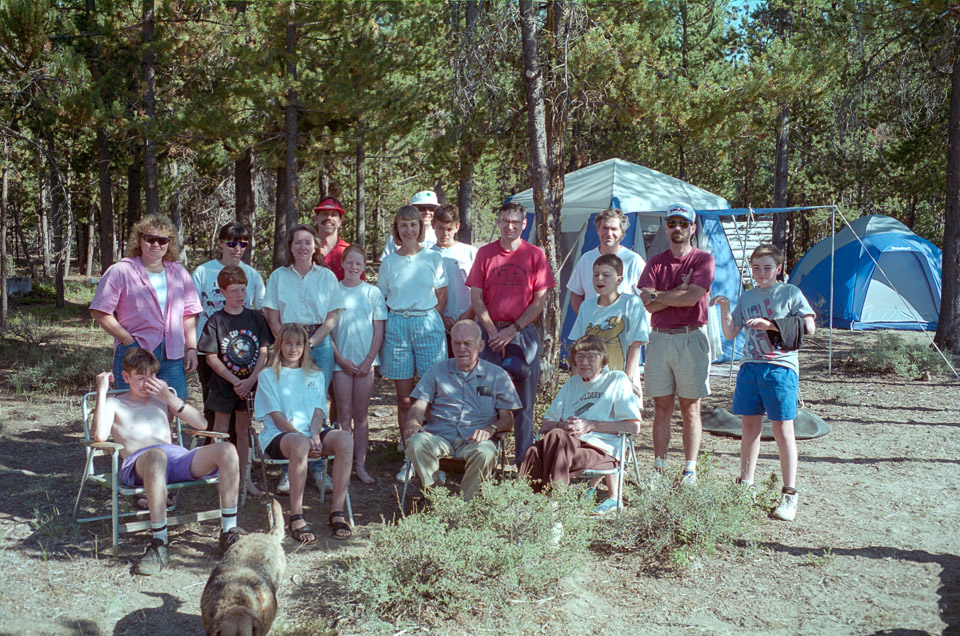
683, 210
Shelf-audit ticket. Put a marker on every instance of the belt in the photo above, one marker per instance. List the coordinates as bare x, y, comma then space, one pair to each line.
676, 330
409, 313
503, 324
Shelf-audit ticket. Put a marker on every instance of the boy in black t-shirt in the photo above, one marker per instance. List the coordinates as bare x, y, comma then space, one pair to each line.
235, 341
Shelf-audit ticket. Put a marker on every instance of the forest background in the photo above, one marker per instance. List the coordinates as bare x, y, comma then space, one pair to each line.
209, 111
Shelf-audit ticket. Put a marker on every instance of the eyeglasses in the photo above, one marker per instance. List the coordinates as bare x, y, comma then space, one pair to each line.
153, 239
236, 243
588, 357
680, 224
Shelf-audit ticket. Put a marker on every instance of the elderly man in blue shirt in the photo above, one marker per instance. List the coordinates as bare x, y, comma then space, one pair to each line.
470, 402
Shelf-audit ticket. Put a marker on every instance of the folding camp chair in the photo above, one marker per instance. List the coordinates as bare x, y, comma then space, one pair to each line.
108, 478
450, 465
257, 456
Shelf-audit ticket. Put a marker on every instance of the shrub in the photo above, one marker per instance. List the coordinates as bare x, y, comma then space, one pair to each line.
671, 526
890, 353
462, 561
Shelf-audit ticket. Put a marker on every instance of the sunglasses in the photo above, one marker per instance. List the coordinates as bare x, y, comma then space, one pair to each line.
236, 243
153, 239
681, 224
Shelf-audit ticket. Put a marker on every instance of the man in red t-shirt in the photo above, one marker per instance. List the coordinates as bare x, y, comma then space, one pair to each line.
328, 216
673, 288
508, 287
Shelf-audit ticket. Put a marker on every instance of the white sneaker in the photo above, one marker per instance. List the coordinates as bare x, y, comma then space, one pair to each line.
402, 475
283, 488
321, 480
787, 510
655, 478
440, 477
688, 478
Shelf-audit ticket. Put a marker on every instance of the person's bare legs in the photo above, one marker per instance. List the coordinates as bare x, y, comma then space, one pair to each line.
404, 389
151, 467
362, 390
787, 447
662, 413
221, 457
243, 450
340, 445
692, 430
750, 446
296, 447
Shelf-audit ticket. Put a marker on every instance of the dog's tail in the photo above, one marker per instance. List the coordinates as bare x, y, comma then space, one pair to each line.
277, 511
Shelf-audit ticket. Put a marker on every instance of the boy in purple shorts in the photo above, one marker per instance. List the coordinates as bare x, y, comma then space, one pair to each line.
140, 420
768, 380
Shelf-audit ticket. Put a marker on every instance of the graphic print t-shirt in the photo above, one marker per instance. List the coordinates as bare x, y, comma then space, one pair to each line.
236, 339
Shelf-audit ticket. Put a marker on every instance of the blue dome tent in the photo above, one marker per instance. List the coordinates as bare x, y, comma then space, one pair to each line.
888, 279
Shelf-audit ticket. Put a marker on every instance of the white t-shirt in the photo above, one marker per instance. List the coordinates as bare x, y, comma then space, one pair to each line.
619, 325
408, 283
205, 280
294, 394
304, 300
581, 280
457, 261
429, 240
354, 331
159, 282
609, 397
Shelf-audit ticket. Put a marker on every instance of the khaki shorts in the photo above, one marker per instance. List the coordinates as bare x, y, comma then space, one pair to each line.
677, 364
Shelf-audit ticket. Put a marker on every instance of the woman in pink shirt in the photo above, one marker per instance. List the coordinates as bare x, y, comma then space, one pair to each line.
148, 300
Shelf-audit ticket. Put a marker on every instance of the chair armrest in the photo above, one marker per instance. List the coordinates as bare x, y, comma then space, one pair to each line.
210, 434
107, 446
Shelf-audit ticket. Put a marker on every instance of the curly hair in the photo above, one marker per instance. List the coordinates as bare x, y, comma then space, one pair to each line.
154, 222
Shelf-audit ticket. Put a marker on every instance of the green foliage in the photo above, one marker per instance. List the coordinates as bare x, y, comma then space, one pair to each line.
672, 526
891, 353
460, 561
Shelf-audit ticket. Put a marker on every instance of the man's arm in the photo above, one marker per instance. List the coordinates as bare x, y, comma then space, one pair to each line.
415, 416
503, 424
481, 312
176, 406
575, 301
506, 335
679, 297
104, 414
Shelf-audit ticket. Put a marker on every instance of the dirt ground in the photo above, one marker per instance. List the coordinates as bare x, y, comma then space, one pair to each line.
874, 549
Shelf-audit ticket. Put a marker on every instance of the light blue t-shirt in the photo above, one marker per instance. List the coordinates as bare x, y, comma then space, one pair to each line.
609, 397
781, 300
619, 325
354, 331
295, 394
409, 283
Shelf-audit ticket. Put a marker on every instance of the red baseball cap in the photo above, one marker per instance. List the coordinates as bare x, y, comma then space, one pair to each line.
329, 204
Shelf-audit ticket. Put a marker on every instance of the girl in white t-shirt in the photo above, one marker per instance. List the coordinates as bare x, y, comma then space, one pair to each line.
291, 401
356, 342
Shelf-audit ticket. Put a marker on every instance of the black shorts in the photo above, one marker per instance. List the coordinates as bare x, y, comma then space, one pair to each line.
220, 403
272, 451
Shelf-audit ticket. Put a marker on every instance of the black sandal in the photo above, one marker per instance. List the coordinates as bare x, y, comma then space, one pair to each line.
298, 533
338, 527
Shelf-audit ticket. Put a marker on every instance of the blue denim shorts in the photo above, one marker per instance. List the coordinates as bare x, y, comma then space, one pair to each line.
766, 388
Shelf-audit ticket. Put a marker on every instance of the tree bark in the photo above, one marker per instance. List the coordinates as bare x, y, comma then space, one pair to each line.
361, 237
545, 137
243, 193
290, 179
465, 201
280, 224
57, 204
107, 242
780, 175
948, 325
134, 187
3, 238
176, 213
44, 237
91, 236
24, 247
149, 105
68, 227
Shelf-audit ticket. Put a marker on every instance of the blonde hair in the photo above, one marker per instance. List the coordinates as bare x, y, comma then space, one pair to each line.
157, 222
292, 331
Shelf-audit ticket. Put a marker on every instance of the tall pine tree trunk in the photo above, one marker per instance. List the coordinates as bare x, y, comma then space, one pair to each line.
3, 238
149, 105
243, 201
44, 235
134, 187
948, 326
107, 241
69, 226
91, 235
465, 201
290, 125
361, 237
280, 223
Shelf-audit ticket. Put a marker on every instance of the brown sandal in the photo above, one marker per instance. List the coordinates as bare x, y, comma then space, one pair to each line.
338, 527
299, 534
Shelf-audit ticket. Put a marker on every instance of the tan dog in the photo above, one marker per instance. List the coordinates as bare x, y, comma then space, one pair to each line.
240, 598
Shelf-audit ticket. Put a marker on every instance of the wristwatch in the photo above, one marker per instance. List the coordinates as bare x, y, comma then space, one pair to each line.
653, 295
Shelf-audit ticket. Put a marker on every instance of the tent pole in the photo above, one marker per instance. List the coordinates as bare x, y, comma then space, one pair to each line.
743, 264
833, 254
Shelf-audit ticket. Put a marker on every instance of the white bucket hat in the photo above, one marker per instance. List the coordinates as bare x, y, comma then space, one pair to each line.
427, 197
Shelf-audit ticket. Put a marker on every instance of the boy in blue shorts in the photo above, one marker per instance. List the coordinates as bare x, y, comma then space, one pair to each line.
140, 420
768, 380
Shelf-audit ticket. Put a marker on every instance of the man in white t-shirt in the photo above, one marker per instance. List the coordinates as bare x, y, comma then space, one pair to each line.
425, 202
611, 226
457, 260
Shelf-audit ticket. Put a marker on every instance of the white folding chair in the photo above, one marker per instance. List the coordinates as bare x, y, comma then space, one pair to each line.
108, 478
627, 453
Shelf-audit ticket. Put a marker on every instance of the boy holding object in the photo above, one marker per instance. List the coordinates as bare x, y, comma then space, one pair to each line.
768, 380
